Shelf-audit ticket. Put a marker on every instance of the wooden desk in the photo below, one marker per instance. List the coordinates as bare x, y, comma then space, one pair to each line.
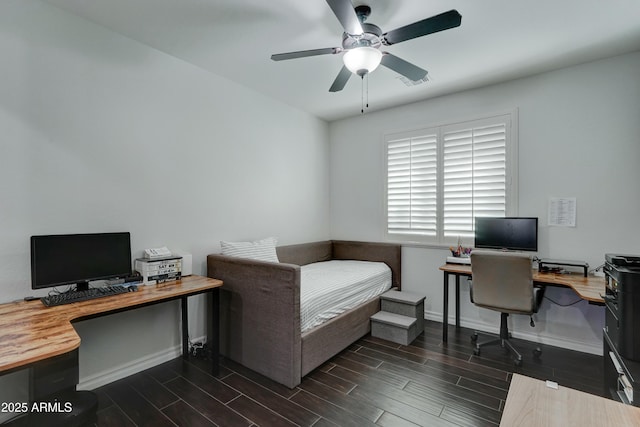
31, 332
588, 288
531, 403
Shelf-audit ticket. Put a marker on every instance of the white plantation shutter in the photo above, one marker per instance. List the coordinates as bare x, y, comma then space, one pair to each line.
440, 179
411, 185
475, 179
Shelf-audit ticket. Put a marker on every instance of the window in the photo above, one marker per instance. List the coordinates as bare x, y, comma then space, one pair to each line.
440, 178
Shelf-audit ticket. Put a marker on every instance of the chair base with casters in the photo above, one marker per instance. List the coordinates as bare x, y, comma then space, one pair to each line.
504, 342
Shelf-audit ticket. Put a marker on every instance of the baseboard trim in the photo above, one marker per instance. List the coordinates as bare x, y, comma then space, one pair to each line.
133, 367
561, 342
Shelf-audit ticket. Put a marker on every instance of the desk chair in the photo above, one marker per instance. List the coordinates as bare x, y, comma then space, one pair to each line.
502, 281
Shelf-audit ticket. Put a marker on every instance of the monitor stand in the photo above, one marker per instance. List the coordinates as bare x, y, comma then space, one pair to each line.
82, 286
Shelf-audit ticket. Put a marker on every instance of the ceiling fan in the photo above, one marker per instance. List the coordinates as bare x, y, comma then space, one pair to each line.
361, 42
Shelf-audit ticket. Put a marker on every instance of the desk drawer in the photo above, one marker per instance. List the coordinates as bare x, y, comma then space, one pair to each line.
612, 323
620, 375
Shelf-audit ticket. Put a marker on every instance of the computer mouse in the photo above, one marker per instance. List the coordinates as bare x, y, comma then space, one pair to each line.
133, 288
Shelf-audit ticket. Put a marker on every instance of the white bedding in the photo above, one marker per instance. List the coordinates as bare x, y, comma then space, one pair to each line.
330, 288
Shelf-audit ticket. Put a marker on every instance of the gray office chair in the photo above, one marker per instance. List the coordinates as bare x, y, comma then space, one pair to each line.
502, 281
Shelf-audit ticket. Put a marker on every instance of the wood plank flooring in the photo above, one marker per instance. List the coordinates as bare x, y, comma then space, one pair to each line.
372, 383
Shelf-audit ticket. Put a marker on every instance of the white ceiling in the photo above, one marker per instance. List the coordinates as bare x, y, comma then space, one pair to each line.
498, 40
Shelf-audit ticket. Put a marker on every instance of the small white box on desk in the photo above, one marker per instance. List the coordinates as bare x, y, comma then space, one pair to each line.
187, 263
159, 270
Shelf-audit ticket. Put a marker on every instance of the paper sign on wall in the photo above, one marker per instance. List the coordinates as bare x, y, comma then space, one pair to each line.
562, 211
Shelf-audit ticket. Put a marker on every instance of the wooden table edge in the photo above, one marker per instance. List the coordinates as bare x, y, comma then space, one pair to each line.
551, 279
86, 310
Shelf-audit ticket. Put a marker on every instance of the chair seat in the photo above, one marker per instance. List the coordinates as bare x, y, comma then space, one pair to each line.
538, 295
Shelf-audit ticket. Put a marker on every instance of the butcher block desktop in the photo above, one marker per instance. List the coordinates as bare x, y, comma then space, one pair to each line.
31, 332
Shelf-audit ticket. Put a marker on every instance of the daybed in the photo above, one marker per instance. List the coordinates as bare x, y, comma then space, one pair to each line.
260, 308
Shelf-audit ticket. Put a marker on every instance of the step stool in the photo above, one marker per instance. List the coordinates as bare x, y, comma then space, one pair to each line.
408, 304
401, 318
393, 327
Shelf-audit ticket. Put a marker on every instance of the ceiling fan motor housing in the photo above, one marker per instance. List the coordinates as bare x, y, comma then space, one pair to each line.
370, 37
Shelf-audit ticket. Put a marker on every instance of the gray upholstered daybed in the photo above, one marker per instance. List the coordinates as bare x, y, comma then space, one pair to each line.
260, 313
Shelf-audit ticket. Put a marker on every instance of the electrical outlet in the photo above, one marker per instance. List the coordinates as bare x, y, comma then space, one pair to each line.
198, 350
195, 348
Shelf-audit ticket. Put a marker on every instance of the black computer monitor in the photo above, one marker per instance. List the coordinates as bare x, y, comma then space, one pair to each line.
66, 259
508, 233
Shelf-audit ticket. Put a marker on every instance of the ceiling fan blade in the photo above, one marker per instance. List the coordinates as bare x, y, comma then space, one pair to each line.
346, 14
305, 53
444, 21
341, 80
400, 66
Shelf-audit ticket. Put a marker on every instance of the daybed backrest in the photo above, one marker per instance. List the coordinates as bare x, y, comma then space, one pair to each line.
305, 253
389, 253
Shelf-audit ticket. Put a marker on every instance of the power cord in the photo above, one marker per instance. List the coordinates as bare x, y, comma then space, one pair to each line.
198, 349
563, 305
598, 268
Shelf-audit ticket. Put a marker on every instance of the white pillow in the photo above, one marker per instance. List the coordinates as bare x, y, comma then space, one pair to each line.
262, 250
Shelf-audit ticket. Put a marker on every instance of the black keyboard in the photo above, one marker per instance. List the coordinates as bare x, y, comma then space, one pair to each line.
76, 296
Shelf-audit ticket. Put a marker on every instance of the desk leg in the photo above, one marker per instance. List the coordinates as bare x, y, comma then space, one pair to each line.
445, 307
185, 329
215, 331
457, 301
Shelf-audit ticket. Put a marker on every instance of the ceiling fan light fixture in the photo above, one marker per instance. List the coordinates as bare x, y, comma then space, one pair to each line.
362, 60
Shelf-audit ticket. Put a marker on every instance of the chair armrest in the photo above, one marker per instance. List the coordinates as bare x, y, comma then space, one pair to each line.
261, 308
538, 295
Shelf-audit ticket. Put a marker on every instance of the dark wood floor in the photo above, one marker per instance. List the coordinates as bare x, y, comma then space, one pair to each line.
372, 383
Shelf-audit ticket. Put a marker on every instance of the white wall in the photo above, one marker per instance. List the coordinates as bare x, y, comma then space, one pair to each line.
100, 133
579, 136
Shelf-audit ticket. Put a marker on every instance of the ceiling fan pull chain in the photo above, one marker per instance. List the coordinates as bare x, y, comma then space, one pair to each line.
367, 90
362, 94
